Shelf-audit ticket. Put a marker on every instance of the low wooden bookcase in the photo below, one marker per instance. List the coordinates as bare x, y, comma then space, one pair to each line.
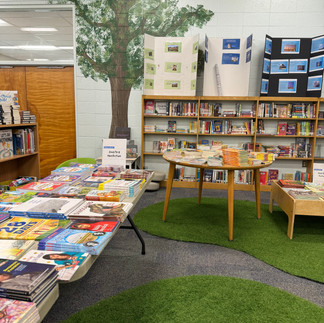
293, 206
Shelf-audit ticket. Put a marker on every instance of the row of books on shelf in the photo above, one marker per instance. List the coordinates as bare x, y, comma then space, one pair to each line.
172, 127
240, 176
170, 108
299, 149
17, 141
296, 110
302, 128
226, 127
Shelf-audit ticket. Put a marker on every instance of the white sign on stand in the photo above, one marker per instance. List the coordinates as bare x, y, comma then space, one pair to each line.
114, 152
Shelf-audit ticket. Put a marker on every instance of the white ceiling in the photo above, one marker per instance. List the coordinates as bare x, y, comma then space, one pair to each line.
11, 35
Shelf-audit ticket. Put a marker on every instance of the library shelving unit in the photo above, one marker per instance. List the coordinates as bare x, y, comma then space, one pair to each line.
252, 120
21, 165
319, 147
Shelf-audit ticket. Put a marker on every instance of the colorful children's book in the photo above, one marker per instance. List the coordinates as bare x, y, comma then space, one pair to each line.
75, 241
41, 187
81, 171
15, 197
66, 263
102, 226
14, 249
69, 179
23, 228
18, 311
46, 207
105, 195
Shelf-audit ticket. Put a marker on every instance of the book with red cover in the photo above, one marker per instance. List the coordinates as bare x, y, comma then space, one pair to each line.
263, 177
291, 183
282, 128
273, 174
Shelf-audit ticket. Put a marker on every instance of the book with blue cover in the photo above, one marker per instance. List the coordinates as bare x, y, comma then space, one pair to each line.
75, 241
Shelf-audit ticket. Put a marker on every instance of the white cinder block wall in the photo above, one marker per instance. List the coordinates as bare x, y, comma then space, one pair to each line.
234, 18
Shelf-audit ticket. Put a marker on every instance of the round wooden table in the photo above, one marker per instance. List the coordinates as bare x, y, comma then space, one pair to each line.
230, 185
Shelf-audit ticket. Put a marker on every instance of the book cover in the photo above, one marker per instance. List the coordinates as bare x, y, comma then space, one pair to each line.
273, 175
81, 171
263, 177
46, 207
75, 191
303, 194
291, 183
114, 211
14, 249
149, 107
21, 276
105, 195
282, 128
102, 226
163, 146
41, 187
16, 311
6, 143
23, 228
75, 241
172, 126
66, 263
162, 107
171, 143
15, 197
217, 126
70, 179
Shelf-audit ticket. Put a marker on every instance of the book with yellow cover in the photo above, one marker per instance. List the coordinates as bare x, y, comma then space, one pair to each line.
106, 195
22, 228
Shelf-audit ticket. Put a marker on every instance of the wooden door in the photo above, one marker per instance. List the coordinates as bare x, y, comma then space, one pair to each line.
50, 96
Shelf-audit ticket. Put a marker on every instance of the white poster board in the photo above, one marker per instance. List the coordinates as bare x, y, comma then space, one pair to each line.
318, 173
114, 152
227, 66
170, 65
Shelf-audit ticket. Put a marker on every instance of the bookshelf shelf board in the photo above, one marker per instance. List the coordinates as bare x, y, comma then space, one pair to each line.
287, 99
228, 98
170, 98
319, 158
18, 157
293, 158
320, 119
284, 136
290, 119
319, 137
227, 134
203, 117
152, 154
19, 125
168, 117
170, 133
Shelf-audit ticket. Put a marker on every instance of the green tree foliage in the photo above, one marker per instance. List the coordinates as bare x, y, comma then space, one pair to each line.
110, 38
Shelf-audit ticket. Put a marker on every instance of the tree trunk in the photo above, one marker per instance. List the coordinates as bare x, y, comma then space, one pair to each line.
119, 104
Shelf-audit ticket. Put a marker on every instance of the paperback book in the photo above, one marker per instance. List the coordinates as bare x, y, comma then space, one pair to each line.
102, 226
111, 211
23, 228
15, 197
68, 179
66, 263
50, 187
75, 191
23, 277
106, 195
14, 249
80, 171
46, 207
18, 311
75, 241
303, 194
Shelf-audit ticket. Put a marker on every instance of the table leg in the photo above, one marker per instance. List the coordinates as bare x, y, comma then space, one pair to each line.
201, 180
257, 191
230, 197
168, 190
271, 200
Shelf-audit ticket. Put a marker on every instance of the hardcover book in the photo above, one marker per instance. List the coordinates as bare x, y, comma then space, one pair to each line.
22, 228
172, 126
149, 107
66, 263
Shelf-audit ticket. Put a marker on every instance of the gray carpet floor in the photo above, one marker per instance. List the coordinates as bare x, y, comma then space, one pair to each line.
121, 265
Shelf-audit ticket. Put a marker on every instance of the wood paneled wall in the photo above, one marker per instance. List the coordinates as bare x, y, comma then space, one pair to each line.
49, 94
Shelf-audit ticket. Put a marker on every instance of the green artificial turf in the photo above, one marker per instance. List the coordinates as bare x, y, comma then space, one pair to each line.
201, 299
265, 239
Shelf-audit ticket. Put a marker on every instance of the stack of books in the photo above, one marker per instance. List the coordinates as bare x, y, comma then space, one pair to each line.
67, 179
20, 311
70, 240
81, 171
66, 263
136, 174
76, 191
235, 157
26, 117
46, 207
109, 211
131, 187
26, 281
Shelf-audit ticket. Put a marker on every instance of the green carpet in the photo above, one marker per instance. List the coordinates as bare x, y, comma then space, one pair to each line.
265, 239
201, 299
